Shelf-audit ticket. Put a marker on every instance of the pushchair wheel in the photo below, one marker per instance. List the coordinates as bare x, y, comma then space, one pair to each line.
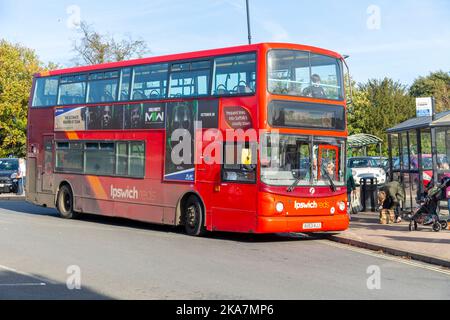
444, 225
437, 227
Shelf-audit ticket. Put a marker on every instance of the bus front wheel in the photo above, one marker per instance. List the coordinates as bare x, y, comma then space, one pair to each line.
194, 217
64, 203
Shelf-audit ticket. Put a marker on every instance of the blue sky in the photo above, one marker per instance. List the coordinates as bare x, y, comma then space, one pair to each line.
400, 39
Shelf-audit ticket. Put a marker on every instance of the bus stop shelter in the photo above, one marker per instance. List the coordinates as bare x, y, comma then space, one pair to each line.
419, 152
360, 142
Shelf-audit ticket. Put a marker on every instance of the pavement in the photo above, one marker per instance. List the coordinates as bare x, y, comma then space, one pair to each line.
424, 244
120, 259
11, 196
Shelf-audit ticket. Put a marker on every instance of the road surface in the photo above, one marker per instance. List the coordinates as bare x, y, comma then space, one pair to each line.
120, 259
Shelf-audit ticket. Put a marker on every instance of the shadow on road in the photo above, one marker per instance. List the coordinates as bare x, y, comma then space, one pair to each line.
14, 286
27, 208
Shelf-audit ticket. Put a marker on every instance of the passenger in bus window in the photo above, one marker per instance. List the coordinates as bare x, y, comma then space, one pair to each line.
315, 90
330, 170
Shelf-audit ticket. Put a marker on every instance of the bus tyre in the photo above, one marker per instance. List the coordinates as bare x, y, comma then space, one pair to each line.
64, 203
194, 217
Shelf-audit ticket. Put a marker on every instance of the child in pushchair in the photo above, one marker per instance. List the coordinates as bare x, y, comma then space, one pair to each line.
427, 213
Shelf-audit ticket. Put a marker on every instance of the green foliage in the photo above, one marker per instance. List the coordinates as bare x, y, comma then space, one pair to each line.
377, 106
17, 66
436, 84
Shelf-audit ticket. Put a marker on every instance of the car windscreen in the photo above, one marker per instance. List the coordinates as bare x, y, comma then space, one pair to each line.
9, 164
360, 163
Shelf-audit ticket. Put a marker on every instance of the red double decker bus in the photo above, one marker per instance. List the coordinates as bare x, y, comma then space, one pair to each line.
137, 139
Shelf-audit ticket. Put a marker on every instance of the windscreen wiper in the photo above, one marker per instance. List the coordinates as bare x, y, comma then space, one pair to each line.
332, 185
294, 185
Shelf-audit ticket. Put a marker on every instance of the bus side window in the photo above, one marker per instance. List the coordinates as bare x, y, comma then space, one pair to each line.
46, 90
234, 74
137, 159
122, 158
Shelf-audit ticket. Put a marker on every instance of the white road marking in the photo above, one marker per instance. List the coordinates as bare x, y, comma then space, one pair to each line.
41, 284
384, 256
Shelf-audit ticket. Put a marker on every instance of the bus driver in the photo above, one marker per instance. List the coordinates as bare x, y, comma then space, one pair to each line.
315, 90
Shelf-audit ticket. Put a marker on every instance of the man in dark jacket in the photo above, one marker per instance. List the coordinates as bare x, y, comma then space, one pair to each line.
351, 186
315, 90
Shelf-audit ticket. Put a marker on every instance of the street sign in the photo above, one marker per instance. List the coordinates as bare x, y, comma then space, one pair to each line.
424, 107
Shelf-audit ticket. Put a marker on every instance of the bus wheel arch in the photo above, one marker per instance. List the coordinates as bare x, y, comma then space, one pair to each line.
191, 214
65, 201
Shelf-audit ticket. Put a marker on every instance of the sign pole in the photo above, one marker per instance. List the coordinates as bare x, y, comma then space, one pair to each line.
248, 23
434, 143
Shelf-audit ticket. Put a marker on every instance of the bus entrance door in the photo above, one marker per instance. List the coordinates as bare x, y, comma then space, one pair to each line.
47, 170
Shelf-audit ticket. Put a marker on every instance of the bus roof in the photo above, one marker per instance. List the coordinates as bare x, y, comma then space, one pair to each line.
188, 55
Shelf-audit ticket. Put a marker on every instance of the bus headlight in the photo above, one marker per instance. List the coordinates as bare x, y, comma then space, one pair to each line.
279, 207
14, 175
341, 205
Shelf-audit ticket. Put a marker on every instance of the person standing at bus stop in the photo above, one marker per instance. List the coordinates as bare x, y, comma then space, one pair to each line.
22, 176
351, 186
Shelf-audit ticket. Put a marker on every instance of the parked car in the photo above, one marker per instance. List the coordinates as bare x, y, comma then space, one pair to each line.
9, 170
367, 167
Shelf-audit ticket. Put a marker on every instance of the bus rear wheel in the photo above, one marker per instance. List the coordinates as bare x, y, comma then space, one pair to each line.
194, 217
64, 203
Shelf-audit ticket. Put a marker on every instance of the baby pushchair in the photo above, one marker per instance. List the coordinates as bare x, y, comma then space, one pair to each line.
427, 214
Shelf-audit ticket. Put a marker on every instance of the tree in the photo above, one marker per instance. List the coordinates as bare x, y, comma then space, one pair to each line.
95, 48
436, 84
379, 105
17, 67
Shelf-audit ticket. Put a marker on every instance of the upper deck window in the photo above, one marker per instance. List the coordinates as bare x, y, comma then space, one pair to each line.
103, 86
46, 91
150, 82
72, 89
190, 79
304, 74
234, 75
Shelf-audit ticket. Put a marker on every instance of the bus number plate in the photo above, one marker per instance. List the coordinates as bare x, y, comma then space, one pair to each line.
311, 226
